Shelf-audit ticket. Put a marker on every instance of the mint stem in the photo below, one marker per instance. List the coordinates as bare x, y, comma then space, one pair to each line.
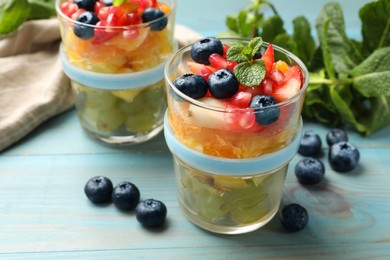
330, 81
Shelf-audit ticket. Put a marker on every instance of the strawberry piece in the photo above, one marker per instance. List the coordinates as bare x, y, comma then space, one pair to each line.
291, 85
217, 61
241, 99
268, 58
277, 76
200, 69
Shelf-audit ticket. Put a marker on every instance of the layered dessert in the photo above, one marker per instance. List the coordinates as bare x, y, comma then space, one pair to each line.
233, 104
117, 39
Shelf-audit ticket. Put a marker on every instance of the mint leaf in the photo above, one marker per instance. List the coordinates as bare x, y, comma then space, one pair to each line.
331, 31
13, 13
375, 25
241, 53
287, 42
345, 109
254, 45
234, 53
303, 39
41, 9
272, 27
251, 73
379, 115
372, 77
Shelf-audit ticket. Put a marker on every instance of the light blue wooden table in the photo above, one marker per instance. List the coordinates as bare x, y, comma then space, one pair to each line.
44, 213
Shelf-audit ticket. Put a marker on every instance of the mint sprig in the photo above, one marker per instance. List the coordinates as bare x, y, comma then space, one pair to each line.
249, 71
349, 79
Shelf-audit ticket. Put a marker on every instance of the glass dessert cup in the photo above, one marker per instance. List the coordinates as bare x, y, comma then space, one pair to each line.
117, 75
229, 174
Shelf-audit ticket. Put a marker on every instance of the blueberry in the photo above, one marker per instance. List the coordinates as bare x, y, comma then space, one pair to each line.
154, 14
310, 144
294, 217
125, 196
343, 156
82, 31
336, 135
98, 189
151, 213
202, 49
88, 5
223, 84
310, 171
265, 111
107, 2
193, 85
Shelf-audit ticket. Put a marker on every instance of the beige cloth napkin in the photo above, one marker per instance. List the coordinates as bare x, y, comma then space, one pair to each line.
33, 87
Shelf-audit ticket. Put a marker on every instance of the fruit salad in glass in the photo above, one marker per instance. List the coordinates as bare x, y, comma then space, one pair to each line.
233, 124
114, 52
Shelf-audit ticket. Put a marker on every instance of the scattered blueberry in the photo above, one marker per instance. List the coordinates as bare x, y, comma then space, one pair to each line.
310, 144
151, 213
156, 16
85, 30
194, 86
98, 189
294, 217
265, 111
310, 171
343, 156
88, 5
223, 84
336, 135
125, 196
202, 49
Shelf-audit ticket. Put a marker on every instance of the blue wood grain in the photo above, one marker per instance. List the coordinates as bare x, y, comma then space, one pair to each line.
44, 213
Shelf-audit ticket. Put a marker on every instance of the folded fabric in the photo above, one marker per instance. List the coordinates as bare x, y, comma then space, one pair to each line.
33, 87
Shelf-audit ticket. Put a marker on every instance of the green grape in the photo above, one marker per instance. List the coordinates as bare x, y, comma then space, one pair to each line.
248, 205
99, 99
127, 95
136, 106
89, 115
110, 119
141, 122
210, 205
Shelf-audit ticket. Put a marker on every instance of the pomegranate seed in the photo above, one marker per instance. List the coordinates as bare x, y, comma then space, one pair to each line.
131, 34
277, 76
217, 61
225, 49
247, 119
266, 86
241, 99
231, 65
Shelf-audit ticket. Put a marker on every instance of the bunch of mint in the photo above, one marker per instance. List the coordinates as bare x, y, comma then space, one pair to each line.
349, 79
14, 13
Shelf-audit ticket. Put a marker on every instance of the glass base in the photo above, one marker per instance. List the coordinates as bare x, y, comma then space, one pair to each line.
229, 230
128, 140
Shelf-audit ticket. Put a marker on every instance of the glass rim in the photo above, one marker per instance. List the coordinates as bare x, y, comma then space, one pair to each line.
193, 101
68, 19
